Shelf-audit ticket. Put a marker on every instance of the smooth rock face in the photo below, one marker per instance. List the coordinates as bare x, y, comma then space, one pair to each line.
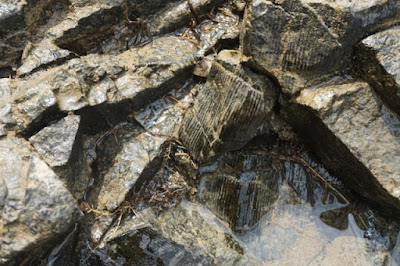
302, 42
34, 204
356, 137
228, 109
378, 60
54, 143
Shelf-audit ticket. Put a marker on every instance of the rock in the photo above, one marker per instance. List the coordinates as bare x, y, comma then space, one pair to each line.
43, 54
237, 191
5, 88
355, 136
303, 42
138, 76
196, 228
12, 32
228, 110
19, 22
148, 247
54, 143
30, 105
178, 16
59, 144
203, 68
123, 156
35, 205
378, 63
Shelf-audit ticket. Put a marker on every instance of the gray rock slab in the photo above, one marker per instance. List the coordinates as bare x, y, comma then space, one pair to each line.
378, 62
356, 137
140, 75
302, 42
54, 143
228, 110
35, 206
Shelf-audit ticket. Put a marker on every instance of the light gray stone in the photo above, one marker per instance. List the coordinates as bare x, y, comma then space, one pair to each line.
355, 136
35, 205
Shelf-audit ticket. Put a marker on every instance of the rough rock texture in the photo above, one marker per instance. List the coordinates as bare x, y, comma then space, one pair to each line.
34, 204
228, 109
356, 137
136, 75
378, 60
301, 42
135, 151
54, 143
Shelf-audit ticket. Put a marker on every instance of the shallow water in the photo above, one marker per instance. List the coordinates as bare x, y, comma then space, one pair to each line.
264, 205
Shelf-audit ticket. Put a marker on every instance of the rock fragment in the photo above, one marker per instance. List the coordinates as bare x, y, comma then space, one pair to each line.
34, 204
378, 60
230, 107
355, 136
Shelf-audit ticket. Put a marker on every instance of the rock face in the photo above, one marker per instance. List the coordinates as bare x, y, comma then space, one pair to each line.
54, 143
228, 110
302, 42
35, 206
378, 60
354, 134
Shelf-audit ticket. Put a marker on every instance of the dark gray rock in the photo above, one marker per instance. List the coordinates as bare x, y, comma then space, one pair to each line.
355, 136
302, 42
378, 60
35, 205
230, 107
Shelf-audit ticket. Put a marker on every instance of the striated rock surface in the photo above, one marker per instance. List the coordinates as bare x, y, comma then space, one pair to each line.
228, 109
377, 62
302, 42
355, 136
34, 204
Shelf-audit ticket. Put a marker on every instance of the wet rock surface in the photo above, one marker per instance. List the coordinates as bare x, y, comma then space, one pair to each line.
202, 132
359, 132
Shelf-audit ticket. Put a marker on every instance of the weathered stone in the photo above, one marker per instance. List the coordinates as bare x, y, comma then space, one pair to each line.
228, 110
5, 88
35, 206
139, 75
302, 42
54, 142
178, 16
197, 229
31, 101
11, 25
227, 28
378, 60
355, 136
123, 156
43, 54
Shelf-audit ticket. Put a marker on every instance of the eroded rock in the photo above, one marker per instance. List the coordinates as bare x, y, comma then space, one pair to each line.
305, 41
355, 136
378, 60
230, 107
35, 205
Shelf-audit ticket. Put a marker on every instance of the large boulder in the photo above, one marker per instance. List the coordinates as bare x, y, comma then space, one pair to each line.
302, 42
355, 136
378, 60
35, 206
